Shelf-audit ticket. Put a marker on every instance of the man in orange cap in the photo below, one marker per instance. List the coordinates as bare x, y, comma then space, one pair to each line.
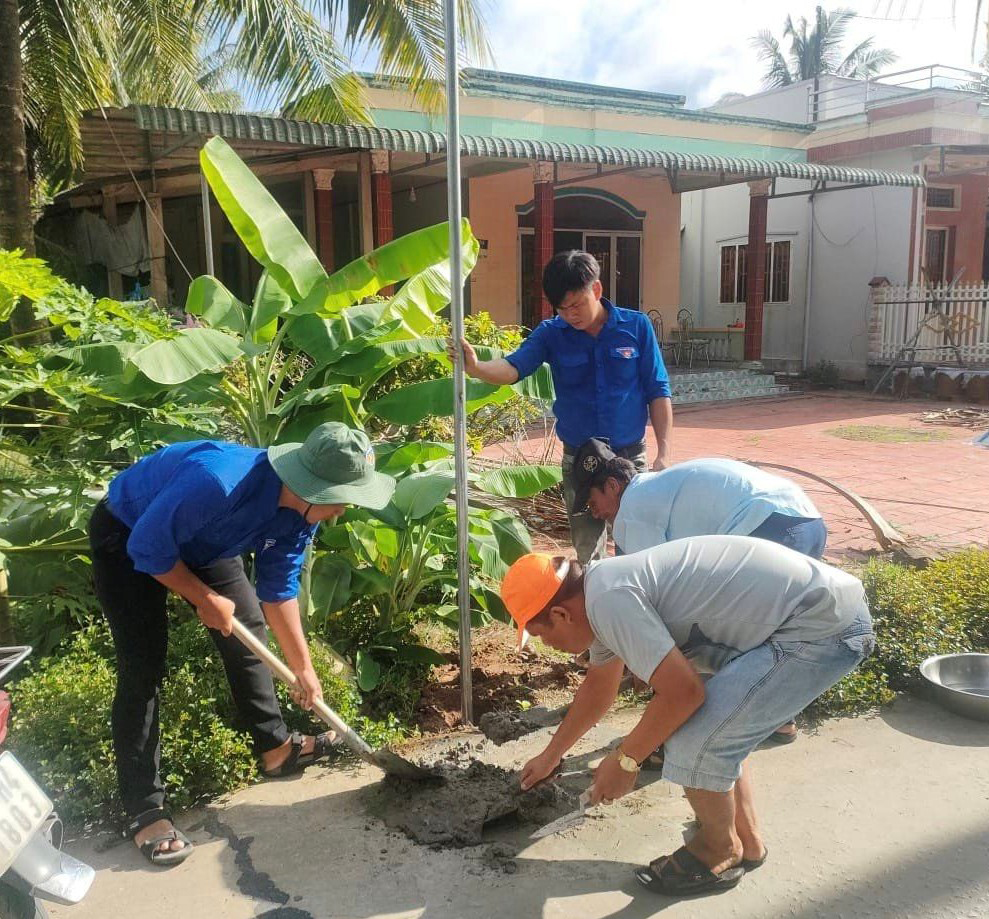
773, 628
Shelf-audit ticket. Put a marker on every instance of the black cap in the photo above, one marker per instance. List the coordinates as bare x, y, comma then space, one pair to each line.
587, 462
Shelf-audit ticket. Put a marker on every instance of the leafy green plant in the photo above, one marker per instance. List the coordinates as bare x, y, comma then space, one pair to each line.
942, 609
61, 721
392, 561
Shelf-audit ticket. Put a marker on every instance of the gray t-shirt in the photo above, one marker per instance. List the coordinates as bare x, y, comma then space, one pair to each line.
713, 597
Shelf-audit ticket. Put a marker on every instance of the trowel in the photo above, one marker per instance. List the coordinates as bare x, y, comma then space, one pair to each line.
567, 821
389, 762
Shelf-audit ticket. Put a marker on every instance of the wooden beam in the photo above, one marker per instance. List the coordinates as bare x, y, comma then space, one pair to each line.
154, 219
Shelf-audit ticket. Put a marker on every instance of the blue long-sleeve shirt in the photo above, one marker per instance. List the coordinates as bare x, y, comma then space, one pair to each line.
603, 384
204, 500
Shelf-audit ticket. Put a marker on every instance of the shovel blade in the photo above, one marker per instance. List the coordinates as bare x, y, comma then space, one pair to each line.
398, 766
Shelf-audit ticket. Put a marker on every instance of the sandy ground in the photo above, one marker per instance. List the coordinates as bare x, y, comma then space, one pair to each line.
868, 817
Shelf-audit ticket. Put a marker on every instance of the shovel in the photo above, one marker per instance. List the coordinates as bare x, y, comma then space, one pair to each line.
389, 762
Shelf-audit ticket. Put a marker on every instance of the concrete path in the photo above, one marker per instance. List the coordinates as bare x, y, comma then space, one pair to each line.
869, 817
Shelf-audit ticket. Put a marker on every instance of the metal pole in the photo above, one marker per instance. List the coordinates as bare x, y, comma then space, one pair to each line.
207, 223
457, 322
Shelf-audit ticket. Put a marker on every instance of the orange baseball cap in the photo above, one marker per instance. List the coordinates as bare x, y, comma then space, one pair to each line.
531, 582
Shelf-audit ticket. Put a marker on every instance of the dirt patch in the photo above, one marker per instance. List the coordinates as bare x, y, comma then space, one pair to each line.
467, 797
502, 679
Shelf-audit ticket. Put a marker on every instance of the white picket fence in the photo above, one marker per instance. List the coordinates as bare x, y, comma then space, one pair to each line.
898, 311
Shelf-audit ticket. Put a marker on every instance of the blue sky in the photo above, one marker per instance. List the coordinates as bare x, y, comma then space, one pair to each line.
683, 46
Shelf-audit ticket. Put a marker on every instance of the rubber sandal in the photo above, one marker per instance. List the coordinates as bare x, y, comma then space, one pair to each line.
296, 760
750, 864
655, 760
149, 848
682, 874
782, 738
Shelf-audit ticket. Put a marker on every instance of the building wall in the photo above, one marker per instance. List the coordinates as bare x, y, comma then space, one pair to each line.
495, 280
858, 235
967, 224
719, 217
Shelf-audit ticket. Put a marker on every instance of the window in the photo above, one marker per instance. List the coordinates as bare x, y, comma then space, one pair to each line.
728, 273
940, 196
734, 272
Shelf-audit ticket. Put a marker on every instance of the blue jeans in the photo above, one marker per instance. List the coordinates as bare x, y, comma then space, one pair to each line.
807, 535
752, 695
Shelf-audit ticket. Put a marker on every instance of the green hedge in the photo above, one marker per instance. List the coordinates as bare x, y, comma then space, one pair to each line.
941, 609
60, 726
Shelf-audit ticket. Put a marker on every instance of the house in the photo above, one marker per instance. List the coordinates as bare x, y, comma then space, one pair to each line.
823, 249
547, 165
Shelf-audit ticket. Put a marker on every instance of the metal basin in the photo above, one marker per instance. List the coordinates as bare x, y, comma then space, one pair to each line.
959, 682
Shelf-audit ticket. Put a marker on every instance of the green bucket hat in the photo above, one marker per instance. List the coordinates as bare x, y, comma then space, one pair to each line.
334, 466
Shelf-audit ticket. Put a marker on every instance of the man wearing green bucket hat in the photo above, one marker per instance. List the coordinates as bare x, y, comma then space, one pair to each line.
180, 519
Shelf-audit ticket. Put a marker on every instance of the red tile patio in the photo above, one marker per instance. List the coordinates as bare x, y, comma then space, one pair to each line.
936, 491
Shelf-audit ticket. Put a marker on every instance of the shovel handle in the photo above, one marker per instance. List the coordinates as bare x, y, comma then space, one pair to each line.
278, 668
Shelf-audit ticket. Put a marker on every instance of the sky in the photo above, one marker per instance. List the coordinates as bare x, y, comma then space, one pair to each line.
679, 46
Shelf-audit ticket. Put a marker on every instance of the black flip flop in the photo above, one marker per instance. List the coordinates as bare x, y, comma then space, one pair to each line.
149, 848
682, 874
782, 738
655, 760
750, 864
296, 760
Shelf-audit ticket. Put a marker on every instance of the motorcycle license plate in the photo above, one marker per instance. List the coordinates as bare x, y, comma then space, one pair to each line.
24, 807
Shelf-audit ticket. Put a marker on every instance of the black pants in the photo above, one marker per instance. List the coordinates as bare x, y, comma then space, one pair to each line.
134, 604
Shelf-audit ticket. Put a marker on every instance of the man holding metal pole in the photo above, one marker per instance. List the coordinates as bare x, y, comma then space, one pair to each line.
608, 373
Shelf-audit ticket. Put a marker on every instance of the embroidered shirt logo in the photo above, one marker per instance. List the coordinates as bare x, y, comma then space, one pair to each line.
268, 543
627, 352
591, 463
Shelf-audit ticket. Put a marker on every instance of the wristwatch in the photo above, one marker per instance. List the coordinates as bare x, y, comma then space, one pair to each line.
626, 762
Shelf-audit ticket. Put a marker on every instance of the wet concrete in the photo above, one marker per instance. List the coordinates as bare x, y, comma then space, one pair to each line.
501, 727
467, 798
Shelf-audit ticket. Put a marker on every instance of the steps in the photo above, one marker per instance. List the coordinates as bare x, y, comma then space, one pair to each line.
692, 387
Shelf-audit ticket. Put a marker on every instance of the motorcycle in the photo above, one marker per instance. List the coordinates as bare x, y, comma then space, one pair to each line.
32, 867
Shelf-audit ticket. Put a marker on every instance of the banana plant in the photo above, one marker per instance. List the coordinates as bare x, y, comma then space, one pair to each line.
390, 559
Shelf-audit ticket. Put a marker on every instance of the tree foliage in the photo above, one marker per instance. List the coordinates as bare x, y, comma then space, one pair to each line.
818, 48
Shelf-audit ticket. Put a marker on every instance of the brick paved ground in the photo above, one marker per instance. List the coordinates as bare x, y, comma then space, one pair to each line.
937, 491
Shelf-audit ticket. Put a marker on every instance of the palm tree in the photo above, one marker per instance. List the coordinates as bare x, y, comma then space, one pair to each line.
816, 49
59, 58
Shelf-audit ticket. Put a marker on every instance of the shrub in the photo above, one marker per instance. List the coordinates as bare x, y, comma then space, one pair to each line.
61, 721
941, 609
824, 373
490, 423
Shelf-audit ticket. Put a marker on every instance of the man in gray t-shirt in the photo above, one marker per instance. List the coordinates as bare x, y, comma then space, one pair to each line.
773, 627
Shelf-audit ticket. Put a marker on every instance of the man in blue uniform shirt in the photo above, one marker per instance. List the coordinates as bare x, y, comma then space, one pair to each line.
608, 374
179, 520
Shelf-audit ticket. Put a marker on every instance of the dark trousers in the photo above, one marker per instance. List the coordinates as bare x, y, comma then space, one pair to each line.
134, 604
807, 535
588, 534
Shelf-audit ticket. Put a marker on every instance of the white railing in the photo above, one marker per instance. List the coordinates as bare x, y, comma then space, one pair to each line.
837, 97
927, 319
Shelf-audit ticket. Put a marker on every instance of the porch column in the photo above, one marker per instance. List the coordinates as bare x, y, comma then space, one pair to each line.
364, 202
155, 223
755, 259
323, 205
542, 199
115, 281
381, 198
